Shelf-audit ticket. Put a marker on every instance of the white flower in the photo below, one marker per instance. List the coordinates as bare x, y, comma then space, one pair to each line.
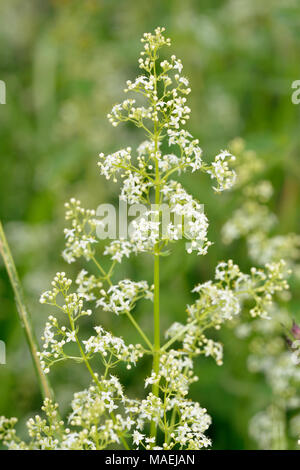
137, 437
221, 172
70, 336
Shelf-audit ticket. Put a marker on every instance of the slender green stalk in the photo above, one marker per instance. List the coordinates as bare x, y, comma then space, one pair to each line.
156, 320
135, 324
24, 315
156, 313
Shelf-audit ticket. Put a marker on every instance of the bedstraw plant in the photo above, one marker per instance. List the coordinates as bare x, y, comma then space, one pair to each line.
103, 415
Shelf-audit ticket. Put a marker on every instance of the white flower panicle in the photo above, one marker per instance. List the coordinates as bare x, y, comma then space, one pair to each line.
184, 207
88, 285
110, 165
117, 249
81, 237
122, 297
223, 300
102, 415
105, 343
226, 296
221, 172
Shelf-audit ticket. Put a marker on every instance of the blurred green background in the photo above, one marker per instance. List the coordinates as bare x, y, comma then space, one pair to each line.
65, 63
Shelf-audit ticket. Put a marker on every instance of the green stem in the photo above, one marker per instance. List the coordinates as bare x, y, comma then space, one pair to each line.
24, 315
156, 313
156, 319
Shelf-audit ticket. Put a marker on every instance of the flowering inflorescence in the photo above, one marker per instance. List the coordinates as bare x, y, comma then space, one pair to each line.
165, 418
123, 297
81, 237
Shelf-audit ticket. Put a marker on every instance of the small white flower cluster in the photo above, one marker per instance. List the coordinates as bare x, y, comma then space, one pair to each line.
107, 344
194, 422
8, 432
170, 108
214, 349
88, 285
194, 342
254, 221
122, 297
146, 231
53, 348
150, 409
60, 284
174, 378
266, 284
268, 350
134, 187
221, 172
80, 239
282, 371
45, 434
184, 207
127, 111
226, 296
117, 249
73, 303
144, 234
119, 299
93, 402
296, 352
92, 423
191, 153
188, 434
110, 165
222, 302
166, 109
175, 373
247, 219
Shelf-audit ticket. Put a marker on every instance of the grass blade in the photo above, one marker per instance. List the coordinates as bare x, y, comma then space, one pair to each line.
24, 315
